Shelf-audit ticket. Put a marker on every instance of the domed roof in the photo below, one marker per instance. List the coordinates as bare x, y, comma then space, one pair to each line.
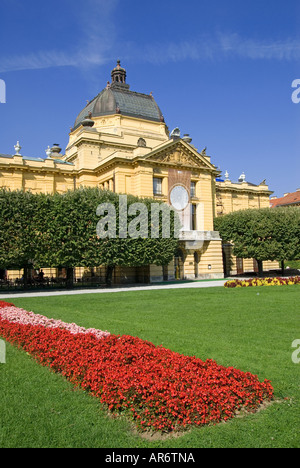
117, 98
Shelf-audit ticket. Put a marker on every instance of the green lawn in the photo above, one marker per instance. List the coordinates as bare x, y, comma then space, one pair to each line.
249, 328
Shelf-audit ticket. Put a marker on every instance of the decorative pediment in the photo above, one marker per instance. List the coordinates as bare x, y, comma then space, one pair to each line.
176, 157
180, 154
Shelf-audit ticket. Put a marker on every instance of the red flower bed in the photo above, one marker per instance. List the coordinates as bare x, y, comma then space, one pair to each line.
159, 388
4, 304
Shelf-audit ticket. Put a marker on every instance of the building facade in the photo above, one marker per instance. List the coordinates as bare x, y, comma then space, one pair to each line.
120, 142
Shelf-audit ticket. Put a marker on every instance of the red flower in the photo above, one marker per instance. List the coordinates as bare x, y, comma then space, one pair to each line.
5, 304
158, 388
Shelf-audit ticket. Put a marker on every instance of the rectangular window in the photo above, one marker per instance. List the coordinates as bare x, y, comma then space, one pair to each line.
240, 266
157, 186
193, 189
193, 218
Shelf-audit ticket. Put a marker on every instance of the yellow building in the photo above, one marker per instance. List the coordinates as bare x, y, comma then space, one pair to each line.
120, 142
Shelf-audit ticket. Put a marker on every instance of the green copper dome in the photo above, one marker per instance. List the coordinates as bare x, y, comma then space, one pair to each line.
117, 98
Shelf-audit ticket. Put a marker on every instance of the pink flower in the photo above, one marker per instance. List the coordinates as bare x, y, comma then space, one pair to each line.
23, 317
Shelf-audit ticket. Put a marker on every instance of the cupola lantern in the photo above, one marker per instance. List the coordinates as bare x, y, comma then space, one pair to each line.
118, 74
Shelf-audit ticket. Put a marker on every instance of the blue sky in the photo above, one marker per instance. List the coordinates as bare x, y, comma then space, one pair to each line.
219, 70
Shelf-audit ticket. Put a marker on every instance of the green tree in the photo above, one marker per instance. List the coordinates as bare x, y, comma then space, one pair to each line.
68, 232
285, 223
60, 230
262, 234
17, 232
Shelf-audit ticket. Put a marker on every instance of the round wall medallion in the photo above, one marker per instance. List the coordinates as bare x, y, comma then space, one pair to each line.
179, 197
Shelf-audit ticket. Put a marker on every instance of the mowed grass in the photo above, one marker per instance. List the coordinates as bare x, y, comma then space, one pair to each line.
250, 328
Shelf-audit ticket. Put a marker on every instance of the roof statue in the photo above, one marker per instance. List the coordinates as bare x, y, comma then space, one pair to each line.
175, 133
242, 177
48, 152
17, 149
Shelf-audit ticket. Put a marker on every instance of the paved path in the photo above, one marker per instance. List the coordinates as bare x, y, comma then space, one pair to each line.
191, 284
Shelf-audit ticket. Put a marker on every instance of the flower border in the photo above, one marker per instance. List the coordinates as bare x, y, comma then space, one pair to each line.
278, 281
160, 389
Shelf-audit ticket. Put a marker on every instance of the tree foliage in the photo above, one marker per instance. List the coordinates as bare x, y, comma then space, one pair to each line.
17, 236
262, 234
60, 230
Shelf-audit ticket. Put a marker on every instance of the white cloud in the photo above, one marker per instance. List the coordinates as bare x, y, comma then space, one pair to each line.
233, 44
96, 37
98, 42
221, 46
50, 59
